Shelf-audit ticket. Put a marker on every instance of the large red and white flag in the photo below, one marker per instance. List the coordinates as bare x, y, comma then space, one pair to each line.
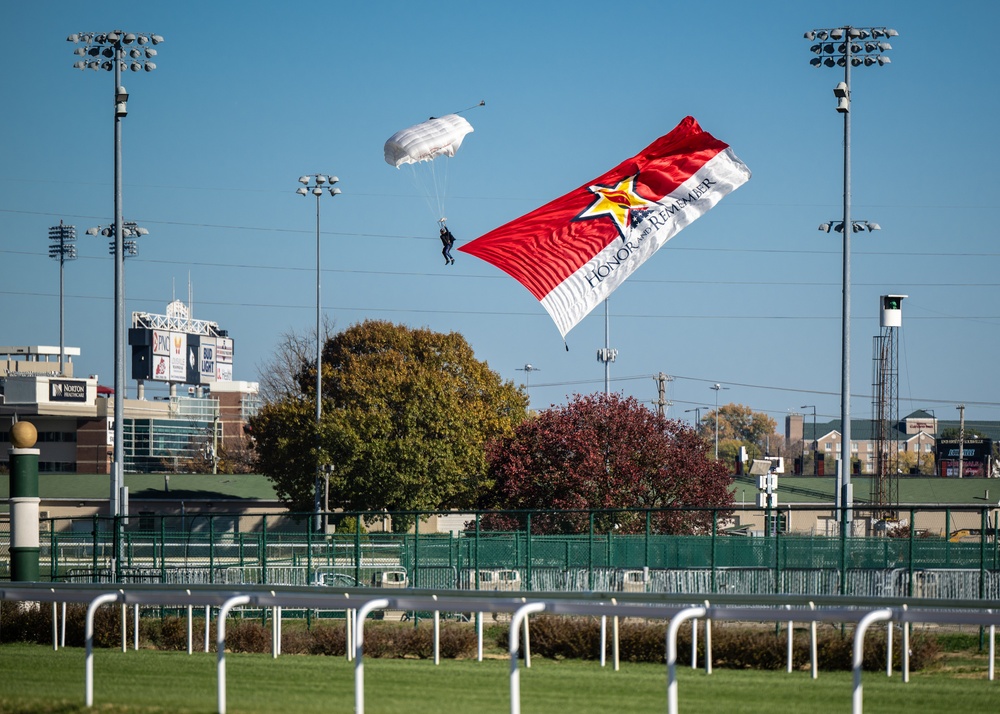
574, 251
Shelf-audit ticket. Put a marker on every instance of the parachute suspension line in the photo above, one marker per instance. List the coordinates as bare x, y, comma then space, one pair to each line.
439, 170
481, 104
423, 181
438, 207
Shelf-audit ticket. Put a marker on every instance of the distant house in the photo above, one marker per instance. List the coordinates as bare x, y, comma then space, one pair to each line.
916, 433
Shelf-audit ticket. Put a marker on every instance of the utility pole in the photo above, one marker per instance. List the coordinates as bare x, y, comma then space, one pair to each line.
661, 387
961, 438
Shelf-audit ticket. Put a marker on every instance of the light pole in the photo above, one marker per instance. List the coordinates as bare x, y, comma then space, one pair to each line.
718, 388
847, 47
120, 50
697, 414
607, 355
815, 467
528, 369
62, 248
315, 184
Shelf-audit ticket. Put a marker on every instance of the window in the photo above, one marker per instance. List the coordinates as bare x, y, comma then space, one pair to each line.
828, 446
854, 447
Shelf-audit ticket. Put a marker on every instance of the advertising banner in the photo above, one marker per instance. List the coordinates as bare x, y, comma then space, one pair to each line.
206, 362
192, 370
178, 357
161, 342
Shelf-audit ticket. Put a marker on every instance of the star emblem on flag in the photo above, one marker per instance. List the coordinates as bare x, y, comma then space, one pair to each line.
619, 202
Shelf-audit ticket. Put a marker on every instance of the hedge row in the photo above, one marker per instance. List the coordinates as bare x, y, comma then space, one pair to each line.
382, 639
733, 645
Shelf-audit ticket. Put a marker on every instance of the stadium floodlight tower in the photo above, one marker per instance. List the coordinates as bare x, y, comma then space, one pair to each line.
847, 47
62, 248
315, 184
119, 50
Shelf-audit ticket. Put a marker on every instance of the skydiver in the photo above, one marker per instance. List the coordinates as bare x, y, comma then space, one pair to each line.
447, 240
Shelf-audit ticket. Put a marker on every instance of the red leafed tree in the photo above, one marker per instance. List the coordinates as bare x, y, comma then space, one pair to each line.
604, 452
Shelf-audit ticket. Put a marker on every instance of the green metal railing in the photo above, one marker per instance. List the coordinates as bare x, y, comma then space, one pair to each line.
228, 548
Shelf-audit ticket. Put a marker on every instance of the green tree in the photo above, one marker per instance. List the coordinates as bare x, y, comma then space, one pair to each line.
407, 414
740, 426
923, 462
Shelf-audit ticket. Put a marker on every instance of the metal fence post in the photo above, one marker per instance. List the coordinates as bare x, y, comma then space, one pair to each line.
163, 548
416, 552
909, 575
53, 558
645, 554
983, 522
715, 532
211, 548
357, 547
262, 555
309, 553
843, 551
590, 552
777, 551
475, 558
94, 550
116, 524
527, 548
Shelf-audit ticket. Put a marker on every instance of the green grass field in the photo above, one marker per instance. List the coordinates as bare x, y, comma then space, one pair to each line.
37, 679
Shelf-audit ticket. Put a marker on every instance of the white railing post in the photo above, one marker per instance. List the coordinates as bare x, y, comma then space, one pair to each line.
513, 645
694, 643
88, 674
675, 623
220, 645
791, 641
359, 639
275, 633
604, 638
479, 636
437, 637
859, 651
888, 649
708, 641
813, 649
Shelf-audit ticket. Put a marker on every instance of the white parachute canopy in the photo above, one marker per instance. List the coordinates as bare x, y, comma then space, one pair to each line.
427, 140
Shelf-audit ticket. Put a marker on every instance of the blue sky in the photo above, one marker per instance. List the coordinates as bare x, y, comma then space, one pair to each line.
249, 96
